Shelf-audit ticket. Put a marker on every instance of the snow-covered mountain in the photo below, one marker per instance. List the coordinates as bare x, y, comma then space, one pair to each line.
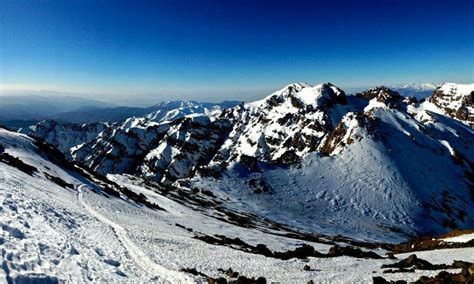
456, 101
169, 110
378, 144
305, 163
418, 91
66, 136
61, 223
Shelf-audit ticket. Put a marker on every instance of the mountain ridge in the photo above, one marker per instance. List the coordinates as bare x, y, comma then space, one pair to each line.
321, 127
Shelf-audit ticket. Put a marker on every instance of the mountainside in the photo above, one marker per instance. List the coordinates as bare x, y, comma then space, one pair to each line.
312, 157
455, 100
300, 185
66, 135
60, 223
282, 127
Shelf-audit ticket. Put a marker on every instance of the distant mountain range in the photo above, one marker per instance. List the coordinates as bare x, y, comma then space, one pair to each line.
419, 91
23, 111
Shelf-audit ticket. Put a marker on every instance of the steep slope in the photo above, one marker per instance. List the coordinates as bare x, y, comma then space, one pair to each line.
68, 136
49, 233
189, 144
282, 127
456, 101
65, 135
122, 147
380, 174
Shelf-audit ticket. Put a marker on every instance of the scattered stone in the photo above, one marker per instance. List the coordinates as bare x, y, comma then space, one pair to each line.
220, 280
231, 274
193, 271
417, 263
263, 250
400, 270
379, 280
351, 251
245, 280
307, 268
391, 255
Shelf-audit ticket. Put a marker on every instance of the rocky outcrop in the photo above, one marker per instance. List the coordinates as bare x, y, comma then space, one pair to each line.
65, 136
191, 142
384, 95
456, 101
282, 127
121, 148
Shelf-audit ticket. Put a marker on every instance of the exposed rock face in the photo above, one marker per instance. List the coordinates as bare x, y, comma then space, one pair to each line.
348, 132
121, 148
165, 151
282, 127
383, 95
456, 101
190, 143
65, 136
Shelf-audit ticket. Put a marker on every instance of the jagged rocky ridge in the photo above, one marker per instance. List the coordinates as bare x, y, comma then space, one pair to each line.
455, 100
393, 162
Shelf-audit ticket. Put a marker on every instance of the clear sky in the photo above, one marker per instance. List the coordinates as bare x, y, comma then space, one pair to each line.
217, 50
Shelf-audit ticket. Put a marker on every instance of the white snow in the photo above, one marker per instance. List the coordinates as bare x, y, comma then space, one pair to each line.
460, 239
80, 234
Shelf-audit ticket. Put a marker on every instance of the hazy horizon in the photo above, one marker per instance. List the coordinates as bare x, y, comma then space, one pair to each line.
144, 100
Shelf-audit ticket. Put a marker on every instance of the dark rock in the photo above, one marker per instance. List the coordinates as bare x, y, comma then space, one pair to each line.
220, 280
249, 162
379, 280
354, 252
301, 252
412, 262
231, 274
17, 163
391, 255
263, 250
245, 280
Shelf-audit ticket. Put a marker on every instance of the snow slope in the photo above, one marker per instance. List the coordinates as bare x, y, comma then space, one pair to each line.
55, 233
453, 100
60, 224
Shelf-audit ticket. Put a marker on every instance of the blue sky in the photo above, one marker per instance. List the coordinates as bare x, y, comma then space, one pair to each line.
216, 50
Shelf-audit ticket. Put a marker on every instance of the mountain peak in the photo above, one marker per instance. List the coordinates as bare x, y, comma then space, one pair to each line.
381, 96
455, 100
302, 95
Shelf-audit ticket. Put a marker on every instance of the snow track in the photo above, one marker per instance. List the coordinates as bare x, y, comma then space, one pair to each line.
157, 272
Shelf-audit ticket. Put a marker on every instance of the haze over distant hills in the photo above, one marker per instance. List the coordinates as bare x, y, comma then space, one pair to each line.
24, 110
